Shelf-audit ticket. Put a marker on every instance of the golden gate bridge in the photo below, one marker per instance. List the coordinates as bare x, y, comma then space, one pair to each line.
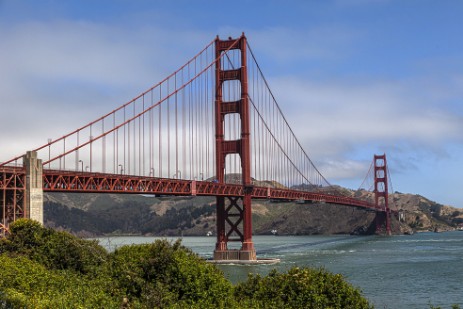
211, 128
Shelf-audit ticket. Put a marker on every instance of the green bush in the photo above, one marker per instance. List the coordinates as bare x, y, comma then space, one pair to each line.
163, 274
54, 249
28, 284
299, 288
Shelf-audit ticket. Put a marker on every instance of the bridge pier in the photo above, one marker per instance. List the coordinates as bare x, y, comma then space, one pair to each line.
33, 194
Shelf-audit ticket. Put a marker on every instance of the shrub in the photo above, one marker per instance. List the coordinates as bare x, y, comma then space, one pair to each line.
163, 274
53, 249
299, 288
28, 284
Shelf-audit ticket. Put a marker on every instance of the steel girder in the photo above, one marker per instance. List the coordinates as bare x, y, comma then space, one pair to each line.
12, 187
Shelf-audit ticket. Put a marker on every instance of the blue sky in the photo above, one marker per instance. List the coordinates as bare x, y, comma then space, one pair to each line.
373, 76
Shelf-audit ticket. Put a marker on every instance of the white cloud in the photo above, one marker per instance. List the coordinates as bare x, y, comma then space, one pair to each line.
345, 169
338, 120
365, 112
58, 75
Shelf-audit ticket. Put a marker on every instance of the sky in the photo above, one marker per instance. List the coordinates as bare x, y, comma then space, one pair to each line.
372, 76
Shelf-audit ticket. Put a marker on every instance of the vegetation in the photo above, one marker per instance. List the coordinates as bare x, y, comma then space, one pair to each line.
91, 215
299, 288
44, 268
455, 306
54, 249
133, 214
162, 274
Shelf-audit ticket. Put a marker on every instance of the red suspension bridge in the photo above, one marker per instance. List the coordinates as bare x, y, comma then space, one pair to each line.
212, 128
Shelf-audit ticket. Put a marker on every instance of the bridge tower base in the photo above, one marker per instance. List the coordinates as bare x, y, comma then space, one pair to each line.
231, 219
383, 213
234, 218
33, 199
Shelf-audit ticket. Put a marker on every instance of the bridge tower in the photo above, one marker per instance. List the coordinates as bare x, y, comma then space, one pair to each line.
234, 222
383, 213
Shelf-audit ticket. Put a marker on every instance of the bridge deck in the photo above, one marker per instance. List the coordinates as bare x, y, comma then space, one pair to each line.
73, 181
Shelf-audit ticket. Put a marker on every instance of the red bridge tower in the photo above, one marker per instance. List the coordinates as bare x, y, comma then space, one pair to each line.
383, 213
234, 222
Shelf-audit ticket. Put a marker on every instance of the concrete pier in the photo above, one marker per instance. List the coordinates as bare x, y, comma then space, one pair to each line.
33, 195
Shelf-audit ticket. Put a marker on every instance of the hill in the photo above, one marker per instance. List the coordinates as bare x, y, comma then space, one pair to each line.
106, 214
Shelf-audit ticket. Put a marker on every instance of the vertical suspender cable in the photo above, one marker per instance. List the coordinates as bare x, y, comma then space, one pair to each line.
176, 123
159, 133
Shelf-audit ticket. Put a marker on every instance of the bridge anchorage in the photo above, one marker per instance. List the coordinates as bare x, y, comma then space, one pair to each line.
163, 143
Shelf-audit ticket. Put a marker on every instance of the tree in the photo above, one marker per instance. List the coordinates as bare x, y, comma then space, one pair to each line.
164, 274
53, 249
299, 288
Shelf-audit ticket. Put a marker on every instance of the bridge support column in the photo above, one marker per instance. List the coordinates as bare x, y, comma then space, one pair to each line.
221, 245
33, 199
233, 225
248, 252
234, 218
383, 213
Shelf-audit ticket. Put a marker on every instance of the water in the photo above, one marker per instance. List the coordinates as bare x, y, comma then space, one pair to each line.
393, 272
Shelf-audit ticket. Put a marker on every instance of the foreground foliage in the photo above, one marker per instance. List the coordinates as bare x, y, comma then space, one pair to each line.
299, 288
162, 274
43, 268
28, 284
54, 249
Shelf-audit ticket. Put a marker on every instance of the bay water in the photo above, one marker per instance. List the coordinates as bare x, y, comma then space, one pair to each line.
410, 271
